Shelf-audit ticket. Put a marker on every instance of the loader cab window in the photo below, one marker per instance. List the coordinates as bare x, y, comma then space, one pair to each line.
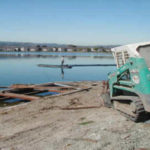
144, 52
121, 58
126, 56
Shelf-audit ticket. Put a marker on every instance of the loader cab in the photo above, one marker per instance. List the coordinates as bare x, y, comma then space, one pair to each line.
123, 53
144, 51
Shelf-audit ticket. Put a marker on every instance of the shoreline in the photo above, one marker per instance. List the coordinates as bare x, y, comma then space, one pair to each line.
54, 52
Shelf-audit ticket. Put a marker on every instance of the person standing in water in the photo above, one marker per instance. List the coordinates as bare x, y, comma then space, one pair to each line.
62, 61
62, 69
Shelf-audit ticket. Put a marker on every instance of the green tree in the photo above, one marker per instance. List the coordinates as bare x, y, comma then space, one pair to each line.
19, 49
45, 46
38, 48
96, 48
88, 50
65, 49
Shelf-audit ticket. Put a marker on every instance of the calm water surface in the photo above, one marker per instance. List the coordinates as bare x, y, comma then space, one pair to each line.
22, 67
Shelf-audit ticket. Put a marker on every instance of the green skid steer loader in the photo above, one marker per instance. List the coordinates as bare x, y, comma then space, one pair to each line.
129, 85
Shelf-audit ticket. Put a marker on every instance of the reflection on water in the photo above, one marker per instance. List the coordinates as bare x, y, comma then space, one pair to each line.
22, 68
53, 54
62, 73
49, 56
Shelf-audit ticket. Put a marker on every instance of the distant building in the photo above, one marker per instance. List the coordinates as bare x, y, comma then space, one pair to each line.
92, 50
84, 50
22, 49
59, 49
32, 49
54, 49
69, 50
44, 49
8, 49
72, 48
50, 49
16, 49
100, 50
107, 50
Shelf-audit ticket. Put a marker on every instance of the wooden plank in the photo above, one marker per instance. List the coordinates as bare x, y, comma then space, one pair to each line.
75, 65
55, 66
20, 96
50, 89
56, 84
70, 92
3, 98
92, 65
22, 86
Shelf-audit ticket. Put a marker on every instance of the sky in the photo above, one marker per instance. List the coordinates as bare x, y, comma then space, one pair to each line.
80, 22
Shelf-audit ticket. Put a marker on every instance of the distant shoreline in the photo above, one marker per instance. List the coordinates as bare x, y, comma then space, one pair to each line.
56, 54
52, 52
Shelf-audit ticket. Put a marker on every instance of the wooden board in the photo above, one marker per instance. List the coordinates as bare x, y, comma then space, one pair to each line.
75, 65
54, 66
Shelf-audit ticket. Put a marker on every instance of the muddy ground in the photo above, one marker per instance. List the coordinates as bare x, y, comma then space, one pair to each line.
42, 125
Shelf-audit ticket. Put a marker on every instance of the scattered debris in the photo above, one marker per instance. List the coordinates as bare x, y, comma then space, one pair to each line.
25, 93
86, 139
70, 108
86, 123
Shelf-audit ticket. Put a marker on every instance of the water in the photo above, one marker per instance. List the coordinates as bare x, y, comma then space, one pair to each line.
54, 53
21, 68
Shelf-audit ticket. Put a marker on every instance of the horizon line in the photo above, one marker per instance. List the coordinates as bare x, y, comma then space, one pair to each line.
61, 43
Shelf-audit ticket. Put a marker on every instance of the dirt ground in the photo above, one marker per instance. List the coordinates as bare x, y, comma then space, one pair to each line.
40, 125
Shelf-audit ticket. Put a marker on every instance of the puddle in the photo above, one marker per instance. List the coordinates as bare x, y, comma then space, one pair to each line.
14, 100
47, 93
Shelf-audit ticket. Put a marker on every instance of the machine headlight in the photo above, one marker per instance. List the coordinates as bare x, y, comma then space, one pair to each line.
136, 79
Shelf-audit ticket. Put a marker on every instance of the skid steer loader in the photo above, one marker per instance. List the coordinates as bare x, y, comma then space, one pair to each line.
129, 85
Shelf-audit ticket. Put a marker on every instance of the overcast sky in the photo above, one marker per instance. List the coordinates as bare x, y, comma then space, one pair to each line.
82, 22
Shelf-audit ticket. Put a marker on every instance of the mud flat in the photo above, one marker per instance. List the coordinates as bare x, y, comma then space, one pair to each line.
70, 122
